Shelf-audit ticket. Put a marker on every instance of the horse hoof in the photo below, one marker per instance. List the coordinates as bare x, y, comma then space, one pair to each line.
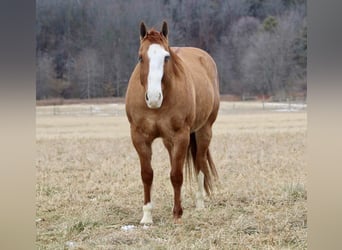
146, 222
147, 217
177, 221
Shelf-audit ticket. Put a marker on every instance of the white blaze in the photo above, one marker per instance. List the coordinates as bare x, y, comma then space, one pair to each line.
154, 96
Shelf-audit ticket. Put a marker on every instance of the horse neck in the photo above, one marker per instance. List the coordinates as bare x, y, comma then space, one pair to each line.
177, 69
178, 81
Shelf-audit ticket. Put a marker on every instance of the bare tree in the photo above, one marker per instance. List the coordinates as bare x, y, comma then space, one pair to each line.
88, 73
241, 34
268, 65
229, 30
44, 76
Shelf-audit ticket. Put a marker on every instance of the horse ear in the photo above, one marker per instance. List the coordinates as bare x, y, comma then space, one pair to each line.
142, 30
165, 29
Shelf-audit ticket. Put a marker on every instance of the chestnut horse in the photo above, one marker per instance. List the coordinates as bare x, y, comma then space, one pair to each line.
173, 93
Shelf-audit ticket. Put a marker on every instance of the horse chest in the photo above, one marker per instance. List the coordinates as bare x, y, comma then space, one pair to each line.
161, 126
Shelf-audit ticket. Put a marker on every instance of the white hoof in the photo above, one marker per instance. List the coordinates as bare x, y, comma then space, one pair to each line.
147, 217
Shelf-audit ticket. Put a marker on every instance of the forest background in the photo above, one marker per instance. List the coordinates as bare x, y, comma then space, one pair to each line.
88, 49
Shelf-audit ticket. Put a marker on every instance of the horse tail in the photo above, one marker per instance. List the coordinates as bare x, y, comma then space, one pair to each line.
208, 169
210, 172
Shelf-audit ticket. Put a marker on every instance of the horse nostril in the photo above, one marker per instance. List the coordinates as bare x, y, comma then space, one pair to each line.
159, 96
146, 96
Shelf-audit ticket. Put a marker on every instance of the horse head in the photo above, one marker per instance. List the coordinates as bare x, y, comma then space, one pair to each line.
154, 55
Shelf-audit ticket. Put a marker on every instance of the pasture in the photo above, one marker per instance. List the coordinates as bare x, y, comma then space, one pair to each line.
89, 193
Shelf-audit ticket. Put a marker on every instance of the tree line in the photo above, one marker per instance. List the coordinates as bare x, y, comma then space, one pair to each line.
88, 48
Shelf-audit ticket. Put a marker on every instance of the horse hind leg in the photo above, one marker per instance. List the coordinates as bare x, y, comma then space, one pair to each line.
204, 166
200, 191
192, 155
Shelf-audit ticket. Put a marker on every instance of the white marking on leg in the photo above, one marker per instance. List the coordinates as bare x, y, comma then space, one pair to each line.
147, 217
200, 191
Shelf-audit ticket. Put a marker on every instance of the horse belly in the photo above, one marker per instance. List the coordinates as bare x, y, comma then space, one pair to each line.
204, 107
205, 98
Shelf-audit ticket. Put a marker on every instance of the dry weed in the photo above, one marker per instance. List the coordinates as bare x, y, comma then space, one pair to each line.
89, 187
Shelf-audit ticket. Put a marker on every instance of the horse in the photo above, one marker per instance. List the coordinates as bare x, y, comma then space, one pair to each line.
173, 94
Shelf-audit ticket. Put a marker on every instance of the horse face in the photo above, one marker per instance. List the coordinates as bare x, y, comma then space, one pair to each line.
152, 71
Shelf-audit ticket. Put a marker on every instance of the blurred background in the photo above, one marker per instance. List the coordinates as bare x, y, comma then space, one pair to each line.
88, 49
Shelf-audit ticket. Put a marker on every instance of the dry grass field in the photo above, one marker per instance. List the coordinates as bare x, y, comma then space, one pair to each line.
89, 194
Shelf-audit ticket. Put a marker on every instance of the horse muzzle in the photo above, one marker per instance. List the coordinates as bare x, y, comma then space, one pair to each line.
154, 100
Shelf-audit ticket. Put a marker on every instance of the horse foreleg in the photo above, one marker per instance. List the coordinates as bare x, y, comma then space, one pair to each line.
143, 147
147, 178
178, 154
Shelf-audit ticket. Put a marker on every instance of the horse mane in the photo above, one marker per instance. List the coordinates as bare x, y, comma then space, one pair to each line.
177, 65
154, 36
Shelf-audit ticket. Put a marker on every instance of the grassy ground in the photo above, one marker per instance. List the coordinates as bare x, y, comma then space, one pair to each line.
89, 192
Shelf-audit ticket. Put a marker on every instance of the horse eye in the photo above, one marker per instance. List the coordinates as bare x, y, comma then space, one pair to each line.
166, 58
140, 59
